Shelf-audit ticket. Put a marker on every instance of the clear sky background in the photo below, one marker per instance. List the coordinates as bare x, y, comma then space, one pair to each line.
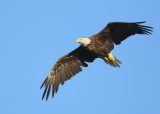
35, 33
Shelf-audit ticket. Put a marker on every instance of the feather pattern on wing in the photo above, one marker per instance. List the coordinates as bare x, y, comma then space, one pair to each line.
119, 31
66, 67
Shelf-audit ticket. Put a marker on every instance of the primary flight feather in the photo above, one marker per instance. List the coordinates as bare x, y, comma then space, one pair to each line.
96, 46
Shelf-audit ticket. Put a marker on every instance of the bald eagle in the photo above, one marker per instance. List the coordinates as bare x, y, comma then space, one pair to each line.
96, 46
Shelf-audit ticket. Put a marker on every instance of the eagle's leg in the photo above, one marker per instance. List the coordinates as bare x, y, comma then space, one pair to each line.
112, 60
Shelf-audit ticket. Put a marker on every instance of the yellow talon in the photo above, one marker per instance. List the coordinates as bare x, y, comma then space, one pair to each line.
112, 60
106, 59
111, 57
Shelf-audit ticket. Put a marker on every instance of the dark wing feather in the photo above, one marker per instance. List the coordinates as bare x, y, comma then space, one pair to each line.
119, 31
65, 68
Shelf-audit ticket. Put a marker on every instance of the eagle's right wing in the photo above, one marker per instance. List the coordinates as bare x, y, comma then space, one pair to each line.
66, 67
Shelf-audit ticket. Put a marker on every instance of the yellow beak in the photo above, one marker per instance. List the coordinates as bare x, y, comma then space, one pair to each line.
78, 40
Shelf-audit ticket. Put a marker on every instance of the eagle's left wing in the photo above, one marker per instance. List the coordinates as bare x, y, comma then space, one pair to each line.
119, 31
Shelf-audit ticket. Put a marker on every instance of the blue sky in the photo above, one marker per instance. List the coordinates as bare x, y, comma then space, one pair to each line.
35, 33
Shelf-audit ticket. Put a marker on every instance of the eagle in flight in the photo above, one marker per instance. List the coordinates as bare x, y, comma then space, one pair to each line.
96, 46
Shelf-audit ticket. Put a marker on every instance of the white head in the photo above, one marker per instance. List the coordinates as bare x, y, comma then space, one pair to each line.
84, 41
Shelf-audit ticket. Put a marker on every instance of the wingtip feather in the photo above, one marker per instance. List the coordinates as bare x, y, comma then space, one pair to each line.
140, 22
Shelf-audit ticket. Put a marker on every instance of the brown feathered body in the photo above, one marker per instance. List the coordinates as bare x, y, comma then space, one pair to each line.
100, 46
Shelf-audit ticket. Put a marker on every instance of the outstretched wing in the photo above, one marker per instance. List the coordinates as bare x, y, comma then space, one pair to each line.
66, 67
119, 31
